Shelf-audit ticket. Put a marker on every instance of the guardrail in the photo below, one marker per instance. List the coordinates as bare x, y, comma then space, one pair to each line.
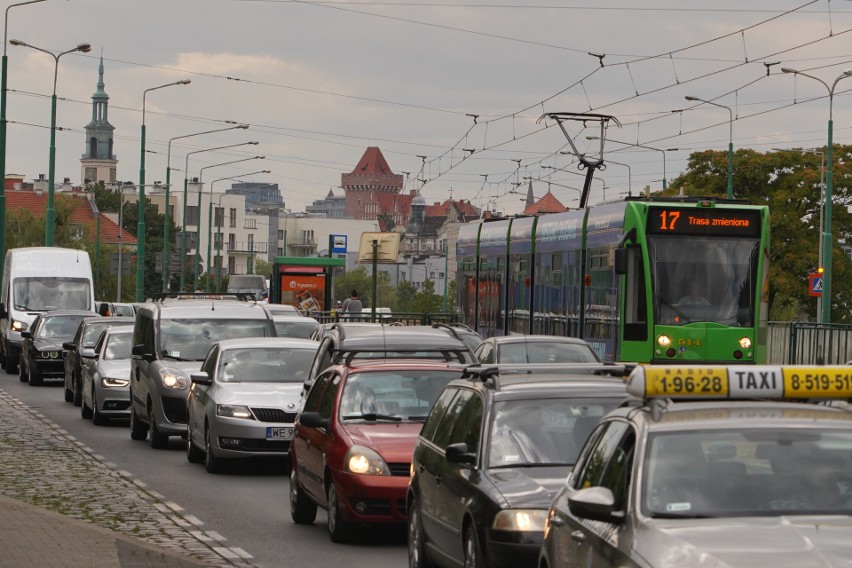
808, 343
399, 318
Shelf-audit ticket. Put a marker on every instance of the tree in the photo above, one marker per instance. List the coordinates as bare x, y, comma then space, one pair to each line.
263, 268
427, 301
789, 183
362, 281
405, 296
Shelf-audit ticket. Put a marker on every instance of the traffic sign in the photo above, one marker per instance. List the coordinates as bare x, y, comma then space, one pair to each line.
815, 284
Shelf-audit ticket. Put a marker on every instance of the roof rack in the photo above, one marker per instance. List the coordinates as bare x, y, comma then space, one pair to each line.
239, 296
441, 325
484, 374
600, 369
448, 355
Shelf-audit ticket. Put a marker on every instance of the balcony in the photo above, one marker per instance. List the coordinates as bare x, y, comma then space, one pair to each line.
302, 243
247, 247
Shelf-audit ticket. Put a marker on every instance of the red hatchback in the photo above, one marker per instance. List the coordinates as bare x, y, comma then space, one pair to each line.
352, 447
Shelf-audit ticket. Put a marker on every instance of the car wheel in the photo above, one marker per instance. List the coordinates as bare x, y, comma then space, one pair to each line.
302, 509
138, 430
194, 454
472, 552
78, 390
86, 410
416, 539
35, 376
211, 462
98, 417
339, 530
22, 375
158, 440
8, 363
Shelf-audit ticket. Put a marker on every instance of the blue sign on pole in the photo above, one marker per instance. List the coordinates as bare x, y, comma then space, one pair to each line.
338, 244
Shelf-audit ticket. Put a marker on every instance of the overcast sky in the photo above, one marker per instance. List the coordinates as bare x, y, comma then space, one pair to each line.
450, 90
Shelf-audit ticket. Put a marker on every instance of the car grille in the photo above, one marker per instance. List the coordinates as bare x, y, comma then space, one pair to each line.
255, 445
273, 415
400, 469
174, 409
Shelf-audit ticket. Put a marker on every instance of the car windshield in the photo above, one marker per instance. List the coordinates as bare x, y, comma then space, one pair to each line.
118, 346
757, 472
546, 352
123, 310
392, 395
59, 327
533, 432
191, 339
92, 333
298, 329
265, 365
44, 294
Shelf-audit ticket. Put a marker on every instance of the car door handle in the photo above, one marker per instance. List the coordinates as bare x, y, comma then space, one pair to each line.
421, 467
437, 480
578, 536
556, 521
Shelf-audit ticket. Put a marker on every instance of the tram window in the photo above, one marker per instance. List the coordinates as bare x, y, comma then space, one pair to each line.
635, 308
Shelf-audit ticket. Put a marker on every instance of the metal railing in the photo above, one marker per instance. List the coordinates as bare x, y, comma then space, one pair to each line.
807, 343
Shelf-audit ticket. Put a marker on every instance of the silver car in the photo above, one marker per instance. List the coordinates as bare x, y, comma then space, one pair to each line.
105, 376
243, 402
722, 482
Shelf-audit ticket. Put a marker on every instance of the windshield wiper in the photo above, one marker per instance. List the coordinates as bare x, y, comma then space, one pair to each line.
681, 516
536, 464
373, 416
668, 304
166, 355
418, 418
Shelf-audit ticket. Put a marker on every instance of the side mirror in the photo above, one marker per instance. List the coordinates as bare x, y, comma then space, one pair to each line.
27, 334
201, 378
313, 420
458, 453
595, 503
69, 346
138, 352
88, 353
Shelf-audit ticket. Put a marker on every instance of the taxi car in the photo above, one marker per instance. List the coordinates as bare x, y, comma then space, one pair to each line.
714, 467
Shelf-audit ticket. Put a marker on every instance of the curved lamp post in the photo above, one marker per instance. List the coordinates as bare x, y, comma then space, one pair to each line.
730, 141
167, 216
186, 198
826, 236
140, 226
3, 75
50, 214
210, 222
663, 151
210, 205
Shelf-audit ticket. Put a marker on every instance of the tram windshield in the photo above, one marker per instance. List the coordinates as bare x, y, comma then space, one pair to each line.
703, 279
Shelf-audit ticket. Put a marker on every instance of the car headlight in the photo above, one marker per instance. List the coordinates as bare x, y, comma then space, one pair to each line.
234, 411
19, 325
364, 461
111, 382
174, 379
745, 342
49, 354
664, 341
520, 520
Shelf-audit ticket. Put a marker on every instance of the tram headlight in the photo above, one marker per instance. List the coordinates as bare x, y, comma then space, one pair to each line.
745, 342
664, 341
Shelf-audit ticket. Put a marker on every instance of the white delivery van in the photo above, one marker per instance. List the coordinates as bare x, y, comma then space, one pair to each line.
248, 284
35, 280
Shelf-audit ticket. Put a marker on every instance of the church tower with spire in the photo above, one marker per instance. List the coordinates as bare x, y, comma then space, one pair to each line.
99, 161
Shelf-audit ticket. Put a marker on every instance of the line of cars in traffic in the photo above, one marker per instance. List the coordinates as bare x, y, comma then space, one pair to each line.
518, 451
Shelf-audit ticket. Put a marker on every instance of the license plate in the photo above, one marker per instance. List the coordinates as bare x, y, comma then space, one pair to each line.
279, 433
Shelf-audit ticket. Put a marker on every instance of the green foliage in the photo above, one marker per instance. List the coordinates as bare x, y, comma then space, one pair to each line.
405, 296
789, 183
426, 300
263, 268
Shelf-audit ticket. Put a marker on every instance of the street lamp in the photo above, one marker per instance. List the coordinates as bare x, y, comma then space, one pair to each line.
50, 214
210, 205
3, 75
140, 225
821, 204
198, 211
661, 150
826, 236
210, 222
167, 216
730, 142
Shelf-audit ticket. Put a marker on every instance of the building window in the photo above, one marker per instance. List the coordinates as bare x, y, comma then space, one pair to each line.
219, 217
92, 175
192, 215
217, 241
232, 241
232, 264
280, 251
280, 234
250, 223
232, 218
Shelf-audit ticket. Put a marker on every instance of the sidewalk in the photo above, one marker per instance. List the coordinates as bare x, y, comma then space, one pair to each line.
62, 506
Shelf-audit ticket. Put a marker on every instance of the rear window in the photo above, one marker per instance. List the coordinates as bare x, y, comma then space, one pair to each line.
191, 339
401, 395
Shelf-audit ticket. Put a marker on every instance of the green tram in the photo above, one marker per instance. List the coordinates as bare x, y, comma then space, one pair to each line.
647, 280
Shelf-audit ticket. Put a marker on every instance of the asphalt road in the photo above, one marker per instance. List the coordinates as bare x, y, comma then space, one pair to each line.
247, 505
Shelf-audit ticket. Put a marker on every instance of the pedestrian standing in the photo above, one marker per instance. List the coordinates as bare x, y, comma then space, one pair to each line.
352, 304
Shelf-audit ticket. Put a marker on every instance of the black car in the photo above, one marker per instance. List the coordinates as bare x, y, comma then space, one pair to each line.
87, 335
493, 453
42, 352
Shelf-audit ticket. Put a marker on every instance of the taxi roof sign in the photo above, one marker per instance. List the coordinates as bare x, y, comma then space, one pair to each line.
741, 382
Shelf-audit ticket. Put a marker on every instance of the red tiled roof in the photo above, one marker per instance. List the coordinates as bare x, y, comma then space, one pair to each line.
547, 204
465, 208
372, 162
82, 214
